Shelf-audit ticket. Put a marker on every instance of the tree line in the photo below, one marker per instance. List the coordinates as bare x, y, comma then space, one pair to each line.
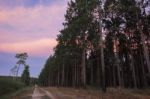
104, 43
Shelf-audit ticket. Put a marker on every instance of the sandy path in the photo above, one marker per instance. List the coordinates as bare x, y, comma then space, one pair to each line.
49, 94
37, 94
40, 93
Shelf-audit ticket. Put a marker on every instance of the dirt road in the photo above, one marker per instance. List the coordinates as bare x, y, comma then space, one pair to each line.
40, 93
71, 93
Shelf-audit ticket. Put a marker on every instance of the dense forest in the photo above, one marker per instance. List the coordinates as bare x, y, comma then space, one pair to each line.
104, 43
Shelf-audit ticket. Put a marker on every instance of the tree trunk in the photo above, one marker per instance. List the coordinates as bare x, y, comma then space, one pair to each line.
114, 76
63, 73
98, 82
146, 54
83, 69
118, 70
58, 79
91, 72
102, 50
144, 80
133, 72
75, 72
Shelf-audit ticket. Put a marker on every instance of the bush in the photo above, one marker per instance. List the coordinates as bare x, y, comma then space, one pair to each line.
8, 86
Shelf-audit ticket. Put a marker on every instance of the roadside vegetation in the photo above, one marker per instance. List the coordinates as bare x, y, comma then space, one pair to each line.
15, 84
15, 87
8, 86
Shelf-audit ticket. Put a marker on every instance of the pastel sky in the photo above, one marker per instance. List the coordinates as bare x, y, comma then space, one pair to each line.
29, 26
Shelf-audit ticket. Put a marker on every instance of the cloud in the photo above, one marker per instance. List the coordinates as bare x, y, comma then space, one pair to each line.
37, 22
34, 48
9, 4
29, 26
32, 29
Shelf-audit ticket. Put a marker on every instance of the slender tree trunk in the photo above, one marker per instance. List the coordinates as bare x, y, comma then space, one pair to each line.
102, 51
98, 72
49, 79
91, 72
63, 73
133, 72
58, 79
114, 76
83, 69
103, 71
75, 73
118, 69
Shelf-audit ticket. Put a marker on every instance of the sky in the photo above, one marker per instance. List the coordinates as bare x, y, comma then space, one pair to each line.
29, 26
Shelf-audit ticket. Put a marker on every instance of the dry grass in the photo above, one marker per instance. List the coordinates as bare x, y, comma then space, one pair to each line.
112, 93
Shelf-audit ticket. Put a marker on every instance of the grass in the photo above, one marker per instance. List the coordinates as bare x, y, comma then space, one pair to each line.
8, 86
16, 94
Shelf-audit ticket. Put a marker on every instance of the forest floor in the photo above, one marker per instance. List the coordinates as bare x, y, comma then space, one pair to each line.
112, 93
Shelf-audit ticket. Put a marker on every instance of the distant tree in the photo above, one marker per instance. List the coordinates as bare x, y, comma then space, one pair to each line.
21, 60
25, 77
13, 71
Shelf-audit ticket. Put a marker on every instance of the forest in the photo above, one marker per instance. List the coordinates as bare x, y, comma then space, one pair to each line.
103, 43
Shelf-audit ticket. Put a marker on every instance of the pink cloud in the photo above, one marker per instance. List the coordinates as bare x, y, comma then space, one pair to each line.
34, 29
34, 48
36, 20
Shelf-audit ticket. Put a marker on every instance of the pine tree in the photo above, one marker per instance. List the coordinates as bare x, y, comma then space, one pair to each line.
21, 60
25, 77
85, 46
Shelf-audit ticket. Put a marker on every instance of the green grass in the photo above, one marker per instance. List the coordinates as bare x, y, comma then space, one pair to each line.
8, 86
